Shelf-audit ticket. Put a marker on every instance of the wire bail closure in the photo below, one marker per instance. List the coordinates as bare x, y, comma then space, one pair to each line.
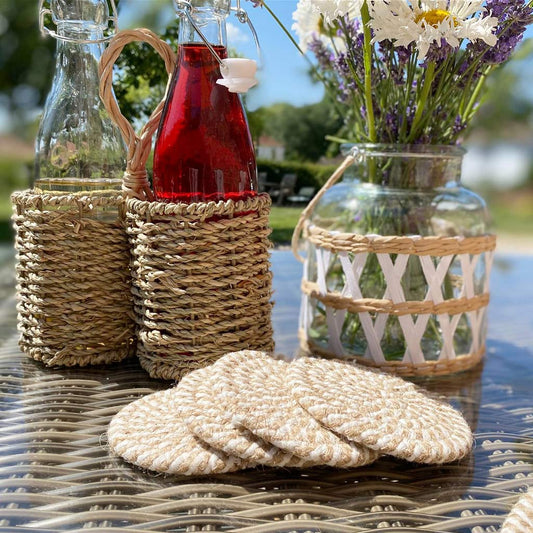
238, 74
112, 23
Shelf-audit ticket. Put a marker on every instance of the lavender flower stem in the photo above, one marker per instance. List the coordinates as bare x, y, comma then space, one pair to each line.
365, 17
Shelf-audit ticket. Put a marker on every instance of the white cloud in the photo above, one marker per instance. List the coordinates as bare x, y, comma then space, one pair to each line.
236, 35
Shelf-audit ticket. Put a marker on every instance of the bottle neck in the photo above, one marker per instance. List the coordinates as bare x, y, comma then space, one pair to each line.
213, 28
77, 146
78, 55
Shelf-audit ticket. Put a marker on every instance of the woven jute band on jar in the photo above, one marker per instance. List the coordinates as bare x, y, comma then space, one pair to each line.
350, 251
201, 281
73, 281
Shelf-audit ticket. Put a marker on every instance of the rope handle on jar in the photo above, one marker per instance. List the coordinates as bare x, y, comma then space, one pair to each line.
350, 159
135, 182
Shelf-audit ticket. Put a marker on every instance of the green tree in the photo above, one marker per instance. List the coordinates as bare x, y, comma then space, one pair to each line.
508, 101
26, 59
141, 78
303, 130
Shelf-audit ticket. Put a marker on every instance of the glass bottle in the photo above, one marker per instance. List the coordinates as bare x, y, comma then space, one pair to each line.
395, 190
78, 148
204, 150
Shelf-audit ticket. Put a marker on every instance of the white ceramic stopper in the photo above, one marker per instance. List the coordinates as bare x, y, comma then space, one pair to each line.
238, 74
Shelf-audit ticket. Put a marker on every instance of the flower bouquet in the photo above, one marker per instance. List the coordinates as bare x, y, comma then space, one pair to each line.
398, 254
409, 71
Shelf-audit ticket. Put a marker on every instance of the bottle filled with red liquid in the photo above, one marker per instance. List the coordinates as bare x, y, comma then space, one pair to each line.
204, 150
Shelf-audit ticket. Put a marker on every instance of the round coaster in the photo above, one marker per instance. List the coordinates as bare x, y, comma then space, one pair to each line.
264, 405
204, 399
520, 518
149, 433
383, 412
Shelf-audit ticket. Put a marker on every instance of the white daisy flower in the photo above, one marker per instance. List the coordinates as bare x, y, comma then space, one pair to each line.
430, 22
313, 17
332, 9
307, 23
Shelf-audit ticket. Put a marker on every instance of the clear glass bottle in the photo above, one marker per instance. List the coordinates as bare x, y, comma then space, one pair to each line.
204, 150
78, 148
396, 190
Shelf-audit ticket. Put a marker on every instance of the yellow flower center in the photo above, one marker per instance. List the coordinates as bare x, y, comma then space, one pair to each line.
434, 17
324, 29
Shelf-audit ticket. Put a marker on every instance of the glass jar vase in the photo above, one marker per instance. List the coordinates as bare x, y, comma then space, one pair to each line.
397, 264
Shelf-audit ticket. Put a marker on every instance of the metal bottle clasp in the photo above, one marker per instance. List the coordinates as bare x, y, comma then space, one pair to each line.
112, 23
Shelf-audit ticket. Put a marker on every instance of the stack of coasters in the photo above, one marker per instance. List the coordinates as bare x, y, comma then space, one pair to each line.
250, 409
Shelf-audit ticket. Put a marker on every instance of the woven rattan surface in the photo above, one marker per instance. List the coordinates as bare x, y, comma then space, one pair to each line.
56, 473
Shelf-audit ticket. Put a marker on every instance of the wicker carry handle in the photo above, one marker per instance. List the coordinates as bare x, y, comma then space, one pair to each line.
135, 183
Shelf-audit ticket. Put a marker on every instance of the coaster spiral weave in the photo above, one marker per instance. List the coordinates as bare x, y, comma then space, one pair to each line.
73, 283
520, 519
262, 403
205, 400
149, 434
201, 426
201, 281
383, 412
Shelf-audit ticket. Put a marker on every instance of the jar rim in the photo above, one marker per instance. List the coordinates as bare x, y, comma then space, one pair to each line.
403, 150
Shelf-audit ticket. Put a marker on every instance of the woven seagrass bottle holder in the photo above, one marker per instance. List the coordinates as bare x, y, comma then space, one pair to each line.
201, 275
73, 284
349, 253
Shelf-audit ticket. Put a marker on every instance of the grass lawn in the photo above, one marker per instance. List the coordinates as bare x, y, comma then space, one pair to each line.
283, 220
512, 211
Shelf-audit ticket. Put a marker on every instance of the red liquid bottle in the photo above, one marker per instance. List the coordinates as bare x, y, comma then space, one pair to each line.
204, 150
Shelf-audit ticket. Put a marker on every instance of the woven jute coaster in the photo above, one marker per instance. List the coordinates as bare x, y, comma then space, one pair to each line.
204, 399
264, 405
150, 434
520, 519
201, 281
383, 412
73, 280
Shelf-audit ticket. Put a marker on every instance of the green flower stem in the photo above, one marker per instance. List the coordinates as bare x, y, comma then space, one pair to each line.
365, 17
411, 72
469, 110
421, 104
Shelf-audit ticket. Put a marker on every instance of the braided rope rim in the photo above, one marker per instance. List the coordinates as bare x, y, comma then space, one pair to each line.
135, 181
453, 306
412, 245
199, 210
37, 200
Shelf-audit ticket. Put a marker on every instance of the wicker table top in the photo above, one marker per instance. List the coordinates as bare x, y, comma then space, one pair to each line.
56, 473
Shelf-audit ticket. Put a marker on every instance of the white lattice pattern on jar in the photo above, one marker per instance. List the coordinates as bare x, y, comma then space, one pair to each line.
338, 297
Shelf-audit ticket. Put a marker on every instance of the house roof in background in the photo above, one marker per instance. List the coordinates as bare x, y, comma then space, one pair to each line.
14, 147
269, 142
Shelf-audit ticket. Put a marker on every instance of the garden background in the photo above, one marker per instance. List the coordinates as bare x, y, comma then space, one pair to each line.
288, 114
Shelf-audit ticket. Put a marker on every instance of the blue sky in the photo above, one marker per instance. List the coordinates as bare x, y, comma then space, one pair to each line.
283, 76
